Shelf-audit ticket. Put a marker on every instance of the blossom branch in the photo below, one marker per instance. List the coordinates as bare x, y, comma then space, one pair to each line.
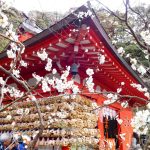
2, 93
125, 20
111, 12
20, 52
22, 83
20, 98
121, 96
14, 78
41, 127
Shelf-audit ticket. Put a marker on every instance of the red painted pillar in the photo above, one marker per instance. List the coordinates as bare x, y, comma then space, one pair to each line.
101, 130
100, 100
125, 128
65, 148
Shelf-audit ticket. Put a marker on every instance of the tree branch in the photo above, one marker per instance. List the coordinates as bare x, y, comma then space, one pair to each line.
125, 20
14, 78
126, 9
110, 11
142, 45
2, 93
18, 43
20, 98
134, 11
41, 127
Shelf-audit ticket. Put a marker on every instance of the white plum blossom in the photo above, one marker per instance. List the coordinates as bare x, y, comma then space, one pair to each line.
122, 83
5, 90
11, 54
133, 67
54, 71
141, 121
37, 77
14, 47
89, 72
128, 55
86, 50
141, 70
31, 97
146, 36
139, 88
70, 84
3, 20
133, 61
124, 104
91, 87
148, 105
101, 59
147, 56
42, 55
110, 95
23, 63
147, 94
16, 73
48, 65
2, 82
121, 51
59, 86
114, 96
50, 82
111, 98
89, 83
114, 41
83, 14
75, 89
138, 67
65, 73
108, 102
119, 90
12, 35
4, 5
45, 86
14, 92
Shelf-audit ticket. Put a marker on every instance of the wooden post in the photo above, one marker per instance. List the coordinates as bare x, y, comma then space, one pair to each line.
126, 115
65, 148
101, 130
100, 100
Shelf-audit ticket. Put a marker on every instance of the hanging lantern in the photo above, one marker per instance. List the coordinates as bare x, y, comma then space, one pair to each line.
74, 69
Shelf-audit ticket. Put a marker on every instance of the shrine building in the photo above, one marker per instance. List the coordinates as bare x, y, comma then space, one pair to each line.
78, 41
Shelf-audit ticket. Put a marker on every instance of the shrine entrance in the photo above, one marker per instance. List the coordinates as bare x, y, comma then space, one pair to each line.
111, 132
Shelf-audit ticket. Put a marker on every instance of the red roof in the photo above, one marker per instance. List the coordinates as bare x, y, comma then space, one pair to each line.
73, 34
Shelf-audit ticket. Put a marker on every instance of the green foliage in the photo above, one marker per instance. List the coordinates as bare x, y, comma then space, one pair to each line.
3, 43
119, 33
43, 20
15, 18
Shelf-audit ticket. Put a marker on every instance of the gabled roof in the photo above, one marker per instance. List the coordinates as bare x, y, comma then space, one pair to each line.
100, 30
